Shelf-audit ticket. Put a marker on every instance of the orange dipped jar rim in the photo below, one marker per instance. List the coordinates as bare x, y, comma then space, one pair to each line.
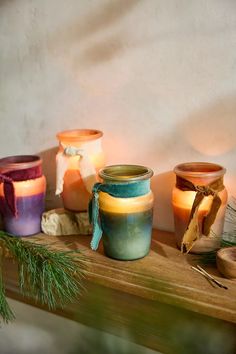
79, 135
199, 169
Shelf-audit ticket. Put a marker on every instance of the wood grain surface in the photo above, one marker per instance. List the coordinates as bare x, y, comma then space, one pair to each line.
159, 292
165, 275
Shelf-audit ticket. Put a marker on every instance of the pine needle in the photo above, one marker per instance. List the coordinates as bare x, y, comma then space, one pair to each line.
50, 277
228, 239
5, 310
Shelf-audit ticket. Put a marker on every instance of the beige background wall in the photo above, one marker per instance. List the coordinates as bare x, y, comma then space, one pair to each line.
158, 77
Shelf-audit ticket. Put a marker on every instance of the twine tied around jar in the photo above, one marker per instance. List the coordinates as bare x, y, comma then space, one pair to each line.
9, 193
192, 232
85, 167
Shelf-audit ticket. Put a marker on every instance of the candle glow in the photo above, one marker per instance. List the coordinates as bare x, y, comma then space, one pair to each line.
200, 174
75, 192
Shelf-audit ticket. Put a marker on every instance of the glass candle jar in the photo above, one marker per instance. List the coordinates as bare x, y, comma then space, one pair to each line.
22, 194
125, 211
199, 201
79, 158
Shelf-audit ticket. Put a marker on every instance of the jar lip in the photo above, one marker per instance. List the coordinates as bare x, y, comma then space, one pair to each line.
19, 162
79, 135
198, 169
125, 172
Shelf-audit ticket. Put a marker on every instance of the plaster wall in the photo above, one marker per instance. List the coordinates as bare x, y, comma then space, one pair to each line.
157, 77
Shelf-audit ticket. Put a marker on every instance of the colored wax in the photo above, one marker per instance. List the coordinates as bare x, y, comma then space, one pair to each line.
29, 196
126, 236
76, 194
126, 222
28, 219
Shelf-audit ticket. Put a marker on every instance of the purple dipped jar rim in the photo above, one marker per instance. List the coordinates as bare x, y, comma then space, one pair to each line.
199, 169
19, 162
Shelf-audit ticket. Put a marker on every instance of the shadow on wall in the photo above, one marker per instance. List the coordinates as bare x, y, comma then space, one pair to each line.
49, 170
102, 51
2, 2
207, 135
212, 131
99, 19
162, 185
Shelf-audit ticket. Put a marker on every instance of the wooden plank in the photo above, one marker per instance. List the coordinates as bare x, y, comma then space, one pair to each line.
145, 322
164, 276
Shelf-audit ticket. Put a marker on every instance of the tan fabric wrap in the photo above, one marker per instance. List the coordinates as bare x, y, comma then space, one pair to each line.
192, 232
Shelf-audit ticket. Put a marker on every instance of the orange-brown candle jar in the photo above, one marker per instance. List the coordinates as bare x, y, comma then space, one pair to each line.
79, 158
199, 201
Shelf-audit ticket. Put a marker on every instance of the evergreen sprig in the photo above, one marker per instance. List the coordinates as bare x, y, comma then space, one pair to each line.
5, 310
51, 277
229, 237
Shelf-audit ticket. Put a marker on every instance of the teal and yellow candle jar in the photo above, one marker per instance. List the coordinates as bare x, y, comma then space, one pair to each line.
121, 211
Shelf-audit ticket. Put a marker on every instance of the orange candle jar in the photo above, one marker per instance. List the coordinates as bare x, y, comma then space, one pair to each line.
79, 159
199, 201
22, 194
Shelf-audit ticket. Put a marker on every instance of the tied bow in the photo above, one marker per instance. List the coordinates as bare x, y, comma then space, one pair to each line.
192, 232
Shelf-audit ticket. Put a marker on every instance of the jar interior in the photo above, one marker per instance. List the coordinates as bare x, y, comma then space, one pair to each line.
125, 172
197, 169
19, 162
79, 135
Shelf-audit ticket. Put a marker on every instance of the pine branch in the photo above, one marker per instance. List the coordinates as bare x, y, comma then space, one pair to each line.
53, 278
228, 237
210, 257
5, 310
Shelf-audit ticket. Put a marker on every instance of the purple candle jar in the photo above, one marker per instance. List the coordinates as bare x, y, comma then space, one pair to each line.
22, 194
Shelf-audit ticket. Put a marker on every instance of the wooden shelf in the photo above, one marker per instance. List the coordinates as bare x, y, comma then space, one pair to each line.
161, 281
